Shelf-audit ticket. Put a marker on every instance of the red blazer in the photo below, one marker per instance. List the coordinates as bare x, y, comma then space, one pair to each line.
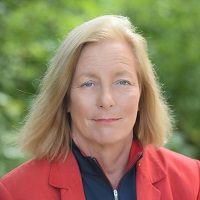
161, 175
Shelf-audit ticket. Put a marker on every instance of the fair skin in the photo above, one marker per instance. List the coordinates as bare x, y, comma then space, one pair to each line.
104, 102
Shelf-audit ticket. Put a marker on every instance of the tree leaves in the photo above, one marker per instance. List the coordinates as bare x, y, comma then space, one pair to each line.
32, 30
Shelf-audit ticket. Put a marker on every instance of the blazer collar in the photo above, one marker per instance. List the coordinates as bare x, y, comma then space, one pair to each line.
66, 176
149, 172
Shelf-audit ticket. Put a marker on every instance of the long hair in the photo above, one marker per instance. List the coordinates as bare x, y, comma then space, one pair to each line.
46, 131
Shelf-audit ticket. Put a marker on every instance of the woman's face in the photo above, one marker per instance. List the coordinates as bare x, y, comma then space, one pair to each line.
105, 94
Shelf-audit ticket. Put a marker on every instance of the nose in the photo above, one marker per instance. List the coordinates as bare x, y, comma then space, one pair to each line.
106, 98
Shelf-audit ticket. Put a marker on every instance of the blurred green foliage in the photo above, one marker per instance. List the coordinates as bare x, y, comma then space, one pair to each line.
30, 32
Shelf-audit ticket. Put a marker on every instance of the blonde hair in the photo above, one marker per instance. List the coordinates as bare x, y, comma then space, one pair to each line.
46, 132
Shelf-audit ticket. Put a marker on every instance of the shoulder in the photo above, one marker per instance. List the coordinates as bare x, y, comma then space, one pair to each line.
30, 169
171, 173
29, 179
176, 166
24, 179
170, 159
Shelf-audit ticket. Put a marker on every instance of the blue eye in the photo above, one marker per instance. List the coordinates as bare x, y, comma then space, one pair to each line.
123, 82
87, 84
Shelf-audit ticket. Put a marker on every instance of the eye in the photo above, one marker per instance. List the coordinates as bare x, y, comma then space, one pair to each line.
87, 84
124, 82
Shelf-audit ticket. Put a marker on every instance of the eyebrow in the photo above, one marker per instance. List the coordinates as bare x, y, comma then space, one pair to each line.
94, 75
122, 73
87, 74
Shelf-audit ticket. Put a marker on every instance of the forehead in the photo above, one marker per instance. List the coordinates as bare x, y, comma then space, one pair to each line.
106, 55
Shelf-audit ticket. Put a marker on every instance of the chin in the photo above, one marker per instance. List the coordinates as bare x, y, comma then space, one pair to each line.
109, 141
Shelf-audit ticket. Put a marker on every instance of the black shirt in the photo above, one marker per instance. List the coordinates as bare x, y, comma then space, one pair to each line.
97, 186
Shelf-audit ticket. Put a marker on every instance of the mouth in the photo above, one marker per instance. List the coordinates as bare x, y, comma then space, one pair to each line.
107, 120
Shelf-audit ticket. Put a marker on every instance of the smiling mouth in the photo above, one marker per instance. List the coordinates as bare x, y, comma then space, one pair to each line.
107, 120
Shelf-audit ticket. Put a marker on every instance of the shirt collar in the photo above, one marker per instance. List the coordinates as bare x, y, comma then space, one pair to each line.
90, 165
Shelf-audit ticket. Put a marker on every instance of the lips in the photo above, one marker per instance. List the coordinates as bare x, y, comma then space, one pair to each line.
107, 120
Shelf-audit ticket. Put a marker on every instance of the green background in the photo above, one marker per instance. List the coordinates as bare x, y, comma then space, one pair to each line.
31, 31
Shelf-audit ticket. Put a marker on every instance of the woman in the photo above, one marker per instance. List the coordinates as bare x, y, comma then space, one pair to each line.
98, 124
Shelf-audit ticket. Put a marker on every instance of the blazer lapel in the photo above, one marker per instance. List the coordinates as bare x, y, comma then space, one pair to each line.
66, 176
145, 189
73, 193
149, 172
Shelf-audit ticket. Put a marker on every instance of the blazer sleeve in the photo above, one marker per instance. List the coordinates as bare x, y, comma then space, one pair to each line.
198, 163
4, 194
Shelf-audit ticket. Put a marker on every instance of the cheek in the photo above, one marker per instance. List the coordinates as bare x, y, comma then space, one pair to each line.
80, 104
131, 107
130, 100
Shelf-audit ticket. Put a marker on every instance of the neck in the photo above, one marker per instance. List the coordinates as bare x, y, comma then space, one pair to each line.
113, 158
